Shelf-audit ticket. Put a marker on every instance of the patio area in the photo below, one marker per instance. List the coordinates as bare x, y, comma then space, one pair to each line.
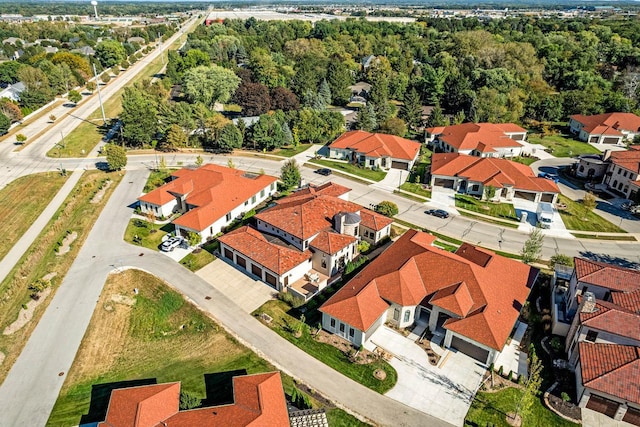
444, 391
309, 285
511, 359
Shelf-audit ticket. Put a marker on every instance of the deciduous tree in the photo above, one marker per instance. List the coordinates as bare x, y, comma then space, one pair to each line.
290, 174
210, 84
116, 157
110, 53
532, 247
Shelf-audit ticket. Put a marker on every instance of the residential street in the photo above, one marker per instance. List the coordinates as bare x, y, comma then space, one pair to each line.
55, 341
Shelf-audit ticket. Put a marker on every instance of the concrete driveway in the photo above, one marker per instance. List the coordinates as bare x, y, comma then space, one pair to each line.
245, 291
444, 391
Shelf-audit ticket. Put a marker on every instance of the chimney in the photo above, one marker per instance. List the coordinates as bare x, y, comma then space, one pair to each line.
606, 155
588, 303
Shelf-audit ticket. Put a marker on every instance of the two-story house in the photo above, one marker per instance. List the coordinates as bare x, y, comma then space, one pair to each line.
304, 239
623, 172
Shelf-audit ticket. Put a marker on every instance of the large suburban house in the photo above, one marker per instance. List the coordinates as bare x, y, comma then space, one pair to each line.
597, 307
474, 295
471, 175
375, 150
478, 139
304, 239
608, 128
209, 198
623, 173
258, 400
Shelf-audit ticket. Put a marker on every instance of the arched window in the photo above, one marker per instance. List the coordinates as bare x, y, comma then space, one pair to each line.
581, 169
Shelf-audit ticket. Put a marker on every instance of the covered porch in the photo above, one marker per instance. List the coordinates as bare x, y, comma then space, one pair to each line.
308, 285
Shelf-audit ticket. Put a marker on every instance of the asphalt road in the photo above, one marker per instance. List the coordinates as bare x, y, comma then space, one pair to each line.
33, 384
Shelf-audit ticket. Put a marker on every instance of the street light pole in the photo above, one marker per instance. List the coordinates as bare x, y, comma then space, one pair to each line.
95, 74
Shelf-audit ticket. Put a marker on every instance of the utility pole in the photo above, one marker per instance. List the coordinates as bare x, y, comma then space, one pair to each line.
95, 74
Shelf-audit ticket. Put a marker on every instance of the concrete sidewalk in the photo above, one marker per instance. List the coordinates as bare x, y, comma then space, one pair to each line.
27, 239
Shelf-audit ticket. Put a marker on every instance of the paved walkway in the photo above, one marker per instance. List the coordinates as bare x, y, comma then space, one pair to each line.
50, 351
20, 247
511, 358
392, 180
596, 419
444, 391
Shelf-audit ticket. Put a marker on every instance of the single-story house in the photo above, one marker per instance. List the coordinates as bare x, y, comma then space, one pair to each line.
478, 139
361, 89
471, 175
375, 150
608, 128
210, 198
623, 173
304, 239
258, 400
473, 295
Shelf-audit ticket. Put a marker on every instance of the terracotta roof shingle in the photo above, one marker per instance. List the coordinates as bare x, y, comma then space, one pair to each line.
608, 276
484, 137
612, 369
378, 145
609, 123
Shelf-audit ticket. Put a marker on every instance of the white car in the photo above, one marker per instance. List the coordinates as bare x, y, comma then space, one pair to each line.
170, 244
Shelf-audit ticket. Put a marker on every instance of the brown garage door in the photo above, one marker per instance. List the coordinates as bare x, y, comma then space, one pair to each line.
632, 416
602, 405
270, 278
256, 270
546, 197
399, 165
241, 262
610, 140
441, 182
470, 350
525, 195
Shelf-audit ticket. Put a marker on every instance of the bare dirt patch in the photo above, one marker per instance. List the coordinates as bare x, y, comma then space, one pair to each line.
1, 357
66, 243
101, 192
26, 313
362, 357
123, 299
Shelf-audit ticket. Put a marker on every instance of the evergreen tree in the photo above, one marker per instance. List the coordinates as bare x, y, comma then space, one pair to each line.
366, 119
437, 118
411, 111
324, 93
290, 174
339, 78
287, 136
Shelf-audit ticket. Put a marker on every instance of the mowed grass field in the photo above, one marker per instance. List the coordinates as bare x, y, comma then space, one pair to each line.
22, 201
155, 335
77, 214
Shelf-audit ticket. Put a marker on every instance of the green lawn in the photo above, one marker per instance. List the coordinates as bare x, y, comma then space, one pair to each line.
149, 235
416, 189
290, 150
420, 167
498, 210
370, 174
524, 160
195, 261
339, 418
575, 217
326, 353
157, 179
563, 145
491, 409
76, 214
488, 220
34, 192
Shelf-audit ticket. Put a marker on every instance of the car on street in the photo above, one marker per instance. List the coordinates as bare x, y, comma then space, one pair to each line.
170, 244
324, 171
440, 213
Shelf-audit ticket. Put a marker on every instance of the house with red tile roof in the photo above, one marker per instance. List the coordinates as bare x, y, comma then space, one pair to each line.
209, 198
608, 128
375, 150
601, 303
623, 173
304, 238
478, 139
471, 175
466, 295
608, 380
258, 401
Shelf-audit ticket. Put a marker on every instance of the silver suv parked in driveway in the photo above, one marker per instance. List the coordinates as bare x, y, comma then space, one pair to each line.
170, 244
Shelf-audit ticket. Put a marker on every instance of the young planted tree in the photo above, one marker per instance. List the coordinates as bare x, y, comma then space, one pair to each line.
52, 118
116, 157
531, 390
290, 174
74, 96
91, 86
589, 202
193, 238
489, 192
532, 247
199, 160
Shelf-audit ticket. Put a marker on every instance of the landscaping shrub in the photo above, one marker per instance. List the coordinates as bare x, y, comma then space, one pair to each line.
293, 300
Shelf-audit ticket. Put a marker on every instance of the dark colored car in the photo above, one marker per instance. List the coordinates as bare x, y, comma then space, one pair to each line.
438, 213
324, 171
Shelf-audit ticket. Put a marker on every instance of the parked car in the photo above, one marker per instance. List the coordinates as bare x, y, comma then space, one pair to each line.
171, 243
551, 176
324, 171
437, 213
